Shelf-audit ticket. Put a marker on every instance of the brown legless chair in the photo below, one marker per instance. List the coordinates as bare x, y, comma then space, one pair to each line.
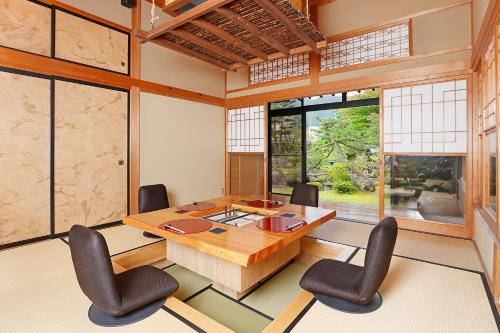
151, 198
305, 195
352, 288
118, 299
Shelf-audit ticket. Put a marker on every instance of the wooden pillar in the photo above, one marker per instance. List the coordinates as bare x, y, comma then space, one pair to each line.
135, 103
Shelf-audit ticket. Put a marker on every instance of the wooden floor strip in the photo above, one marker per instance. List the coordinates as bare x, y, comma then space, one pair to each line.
199, 319
290, 313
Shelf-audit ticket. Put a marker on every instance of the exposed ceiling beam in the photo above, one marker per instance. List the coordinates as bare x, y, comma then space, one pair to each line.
289, 24
255, 31
188, 36
215, 30
182, 49
171, 5
184, 18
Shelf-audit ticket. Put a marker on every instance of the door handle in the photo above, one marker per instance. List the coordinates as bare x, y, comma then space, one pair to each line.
121, 162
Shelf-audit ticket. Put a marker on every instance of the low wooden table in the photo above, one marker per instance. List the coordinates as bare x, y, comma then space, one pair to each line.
238, 258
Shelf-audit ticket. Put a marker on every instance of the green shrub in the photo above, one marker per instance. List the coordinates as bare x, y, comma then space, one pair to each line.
318, 185
292, 176
339, 172
344, 187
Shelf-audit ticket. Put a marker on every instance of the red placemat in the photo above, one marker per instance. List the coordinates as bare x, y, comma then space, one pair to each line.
197, 206
265, 203
186, 226
280, 224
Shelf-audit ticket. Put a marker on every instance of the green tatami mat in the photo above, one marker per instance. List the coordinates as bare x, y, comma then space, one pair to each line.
189, 282
229, 313
278, 292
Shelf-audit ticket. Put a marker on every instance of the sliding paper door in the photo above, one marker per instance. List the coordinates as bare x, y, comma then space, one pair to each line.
24, 157
90, 155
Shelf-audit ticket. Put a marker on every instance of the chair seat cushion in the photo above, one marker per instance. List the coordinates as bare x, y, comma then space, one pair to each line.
143, 285
333, 278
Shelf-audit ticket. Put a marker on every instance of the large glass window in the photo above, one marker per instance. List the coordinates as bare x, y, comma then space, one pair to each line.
286, 153
425, 187
332, 142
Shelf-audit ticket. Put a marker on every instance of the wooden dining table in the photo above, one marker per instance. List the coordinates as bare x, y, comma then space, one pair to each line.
235, 258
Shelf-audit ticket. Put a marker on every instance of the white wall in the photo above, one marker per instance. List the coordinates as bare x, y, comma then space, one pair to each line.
182, 146
484, 242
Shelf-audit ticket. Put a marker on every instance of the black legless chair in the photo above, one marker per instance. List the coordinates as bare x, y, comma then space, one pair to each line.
305, 195
118, 299
151, 198
350, 288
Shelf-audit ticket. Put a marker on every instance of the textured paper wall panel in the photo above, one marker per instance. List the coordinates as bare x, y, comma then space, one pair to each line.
89, 43
24, 157
90, 140
25, 26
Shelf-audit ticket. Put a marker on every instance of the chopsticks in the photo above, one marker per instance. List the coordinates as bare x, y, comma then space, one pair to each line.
290, 227
179, 231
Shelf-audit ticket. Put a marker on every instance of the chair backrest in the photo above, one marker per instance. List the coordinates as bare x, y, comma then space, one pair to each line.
378, 257
152, 197
93, 267
306, 195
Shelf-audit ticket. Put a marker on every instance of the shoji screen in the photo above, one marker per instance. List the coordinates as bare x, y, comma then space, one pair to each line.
245, 145
24, 157
90, 155
245, 130
430, 118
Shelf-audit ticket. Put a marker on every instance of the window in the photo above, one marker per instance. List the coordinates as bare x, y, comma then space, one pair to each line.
245, 130
492, 171
430, 118
425, 188
292, 66
425, 142
386, 43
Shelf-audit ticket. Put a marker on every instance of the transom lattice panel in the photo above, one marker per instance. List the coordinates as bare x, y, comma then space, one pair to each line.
245, 130
430, 118
295, 65
489, 100
377, 45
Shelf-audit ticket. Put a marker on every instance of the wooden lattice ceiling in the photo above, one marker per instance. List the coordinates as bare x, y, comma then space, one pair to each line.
233, 34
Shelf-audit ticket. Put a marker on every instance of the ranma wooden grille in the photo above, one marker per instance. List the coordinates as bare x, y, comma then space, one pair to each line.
382, 44
295, 65
245, 130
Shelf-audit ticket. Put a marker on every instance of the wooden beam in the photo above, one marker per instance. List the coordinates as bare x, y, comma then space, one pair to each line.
172, 5
255, 31
188, 36
236, 42
289, 24
195, 54
184, 18
135, 106
25, 61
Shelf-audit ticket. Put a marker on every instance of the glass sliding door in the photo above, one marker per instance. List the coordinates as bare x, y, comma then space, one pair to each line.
285, 153
343, 160
331, 141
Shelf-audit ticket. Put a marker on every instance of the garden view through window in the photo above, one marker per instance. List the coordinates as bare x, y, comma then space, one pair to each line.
331, 141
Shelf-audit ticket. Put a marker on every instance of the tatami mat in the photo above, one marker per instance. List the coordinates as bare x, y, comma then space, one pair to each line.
439, 249
277, 293
417, 297
228, 312
39, 293
124, 238
189, 282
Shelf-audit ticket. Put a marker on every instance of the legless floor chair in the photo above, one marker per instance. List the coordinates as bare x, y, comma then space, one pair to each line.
118, 299
352, 288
